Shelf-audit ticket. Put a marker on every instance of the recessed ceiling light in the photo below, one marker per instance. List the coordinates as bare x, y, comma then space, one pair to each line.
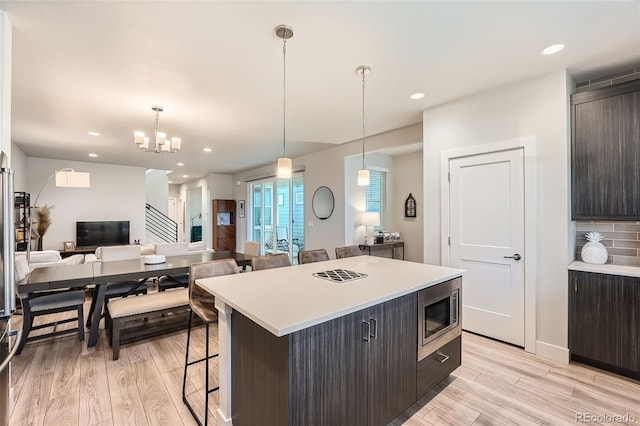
94, 134
185, 176
417, 95
207, 149
93, 155
180, 164
554, 48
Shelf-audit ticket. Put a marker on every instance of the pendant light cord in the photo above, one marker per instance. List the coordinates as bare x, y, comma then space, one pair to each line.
363, 73
284, 97
157, 126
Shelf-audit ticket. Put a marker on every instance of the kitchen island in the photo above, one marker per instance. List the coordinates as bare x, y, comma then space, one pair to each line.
299, 349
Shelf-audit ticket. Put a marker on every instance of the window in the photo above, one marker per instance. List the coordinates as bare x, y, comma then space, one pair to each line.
275, 222
376, 195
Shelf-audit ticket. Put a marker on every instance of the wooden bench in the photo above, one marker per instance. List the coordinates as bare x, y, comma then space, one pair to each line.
131, 308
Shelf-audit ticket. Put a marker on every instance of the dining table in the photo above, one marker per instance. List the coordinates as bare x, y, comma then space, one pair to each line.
102, 273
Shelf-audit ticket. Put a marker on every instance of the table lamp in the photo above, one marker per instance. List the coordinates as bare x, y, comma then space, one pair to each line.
369, 221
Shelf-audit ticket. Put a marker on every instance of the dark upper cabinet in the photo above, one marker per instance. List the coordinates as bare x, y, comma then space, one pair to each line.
605, 153
604, 322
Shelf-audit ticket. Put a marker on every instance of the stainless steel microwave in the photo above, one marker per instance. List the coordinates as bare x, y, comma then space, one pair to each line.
438, 316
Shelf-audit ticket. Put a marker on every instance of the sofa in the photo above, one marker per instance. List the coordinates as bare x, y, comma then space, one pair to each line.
168, 249
49, 258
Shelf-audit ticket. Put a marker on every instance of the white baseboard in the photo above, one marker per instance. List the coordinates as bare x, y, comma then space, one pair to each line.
222, 420
552, 352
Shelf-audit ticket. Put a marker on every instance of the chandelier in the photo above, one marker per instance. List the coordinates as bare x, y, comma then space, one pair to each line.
162, 142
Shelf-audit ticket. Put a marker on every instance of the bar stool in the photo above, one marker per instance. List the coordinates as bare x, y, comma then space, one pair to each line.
203, 305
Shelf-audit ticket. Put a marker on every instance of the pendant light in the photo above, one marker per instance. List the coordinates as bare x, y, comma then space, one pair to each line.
284, 163
363, 173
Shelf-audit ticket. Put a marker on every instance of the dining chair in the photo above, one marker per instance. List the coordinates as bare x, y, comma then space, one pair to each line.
270, 261
348, 251
202, 304
311, 256
252, 248
44, 303
118, 289
282, 237
166, 282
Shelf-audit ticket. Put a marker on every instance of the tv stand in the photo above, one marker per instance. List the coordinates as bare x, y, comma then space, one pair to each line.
77, 250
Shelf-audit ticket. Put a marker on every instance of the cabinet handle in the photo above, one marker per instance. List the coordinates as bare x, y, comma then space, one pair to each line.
374, 325
366, 329
444, 359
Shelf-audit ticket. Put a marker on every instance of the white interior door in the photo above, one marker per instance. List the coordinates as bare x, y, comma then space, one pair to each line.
176, 213
487, 238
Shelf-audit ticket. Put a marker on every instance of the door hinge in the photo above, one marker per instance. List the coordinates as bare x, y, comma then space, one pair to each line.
449, 240
449, 176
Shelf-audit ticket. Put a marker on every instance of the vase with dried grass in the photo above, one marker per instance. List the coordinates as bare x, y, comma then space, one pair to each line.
43, 220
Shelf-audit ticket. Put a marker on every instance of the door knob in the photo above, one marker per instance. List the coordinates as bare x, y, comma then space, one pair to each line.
515, 257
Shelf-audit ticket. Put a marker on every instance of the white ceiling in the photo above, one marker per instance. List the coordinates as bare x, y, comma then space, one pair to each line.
216, 68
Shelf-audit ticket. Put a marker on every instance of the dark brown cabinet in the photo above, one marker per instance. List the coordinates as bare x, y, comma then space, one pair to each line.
605, 153
604, 321
392, 351
436, 367
22, 216
224, 225
359, 369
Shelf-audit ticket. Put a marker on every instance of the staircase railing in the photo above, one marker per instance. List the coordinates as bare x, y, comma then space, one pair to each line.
160, 225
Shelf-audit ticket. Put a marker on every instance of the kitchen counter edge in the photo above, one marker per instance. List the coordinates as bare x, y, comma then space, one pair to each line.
607, 268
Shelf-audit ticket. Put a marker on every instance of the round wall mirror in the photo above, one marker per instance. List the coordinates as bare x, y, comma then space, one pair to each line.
323, 203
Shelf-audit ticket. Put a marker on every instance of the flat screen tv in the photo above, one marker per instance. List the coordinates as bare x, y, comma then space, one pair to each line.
102, 233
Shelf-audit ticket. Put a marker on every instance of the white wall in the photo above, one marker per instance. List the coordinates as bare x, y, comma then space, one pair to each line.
407, 173
194, 195
20, 169
213, 186
220, 187
157, 190
116, 193
539, 108
5, 85
326, 168
174, 190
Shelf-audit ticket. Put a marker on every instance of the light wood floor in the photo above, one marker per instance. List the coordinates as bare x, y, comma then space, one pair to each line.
60, 382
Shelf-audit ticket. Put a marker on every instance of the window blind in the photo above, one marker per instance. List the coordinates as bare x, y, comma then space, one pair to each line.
376, 195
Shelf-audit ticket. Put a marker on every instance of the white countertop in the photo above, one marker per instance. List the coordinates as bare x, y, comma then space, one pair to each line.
608, 268
285, 300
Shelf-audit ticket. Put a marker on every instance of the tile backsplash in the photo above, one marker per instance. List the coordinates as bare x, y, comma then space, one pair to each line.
622, 240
